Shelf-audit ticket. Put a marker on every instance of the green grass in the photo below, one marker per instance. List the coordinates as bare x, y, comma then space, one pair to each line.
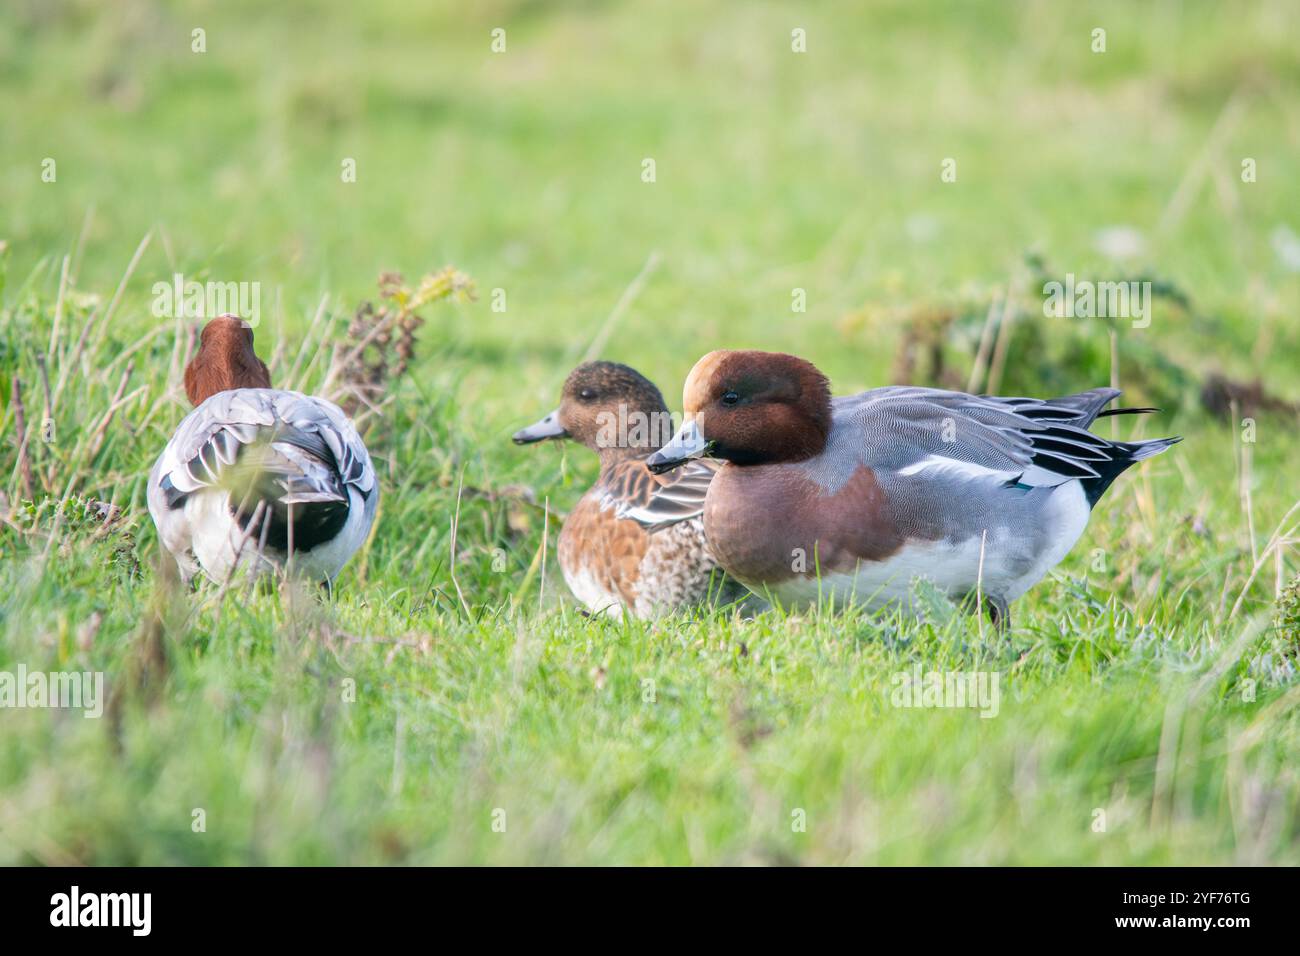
389, 722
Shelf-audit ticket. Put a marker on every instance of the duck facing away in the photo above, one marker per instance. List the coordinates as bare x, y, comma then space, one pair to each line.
258, 478
614, 565
857, 496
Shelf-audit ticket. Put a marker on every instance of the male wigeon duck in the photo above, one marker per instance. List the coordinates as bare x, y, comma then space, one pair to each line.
613, 565
857, 496
255, 476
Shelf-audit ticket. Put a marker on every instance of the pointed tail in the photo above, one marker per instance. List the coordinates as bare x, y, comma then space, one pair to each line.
1125, 454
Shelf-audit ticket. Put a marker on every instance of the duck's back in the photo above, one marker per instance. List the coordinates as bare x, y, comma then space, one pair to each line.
286, 466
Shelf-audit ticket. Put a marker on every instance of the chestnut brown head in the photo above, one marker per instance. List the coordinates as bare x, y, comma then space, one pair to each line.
225, 360
750, 408
610, 408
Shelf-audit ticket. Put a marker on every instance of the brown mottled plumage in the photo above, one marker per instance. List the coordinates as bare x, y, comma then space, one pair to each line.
613, 564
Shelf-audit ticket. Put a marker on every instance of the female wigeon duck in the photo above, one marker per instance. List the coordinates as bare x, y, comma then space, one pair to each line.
254, 475
857, 496
613, 565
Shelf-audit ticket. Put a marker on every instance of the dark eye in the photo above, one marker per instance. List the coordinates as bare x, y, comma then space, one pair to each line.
730, 398
587, 394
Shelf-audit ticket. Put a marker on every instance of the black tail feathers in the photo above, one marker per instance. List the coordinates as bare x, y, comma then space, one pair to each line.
1124, 454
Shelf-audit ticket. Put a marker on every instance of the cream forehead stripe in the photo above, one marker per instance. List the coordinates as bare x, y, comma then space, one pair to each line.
695, 393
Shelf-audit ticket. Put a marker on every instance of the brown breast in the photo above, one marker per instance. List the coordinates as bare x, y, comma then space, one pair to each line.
769, 523
595, 544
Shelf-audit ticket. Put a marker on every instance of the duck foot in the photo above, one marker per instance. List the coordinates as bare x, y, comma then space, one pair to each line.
999, 614
998, 609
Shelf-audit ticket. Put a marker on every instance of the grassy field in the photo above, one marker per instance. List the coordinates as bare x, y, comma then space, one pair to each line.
448, 704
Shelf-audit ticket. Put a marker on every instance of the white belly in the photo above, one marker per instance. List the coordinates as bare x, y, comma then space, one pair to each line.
588, 590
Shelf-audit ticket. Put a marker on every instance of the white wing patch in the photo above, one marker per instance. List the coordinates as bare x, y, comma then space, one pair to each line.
954, 466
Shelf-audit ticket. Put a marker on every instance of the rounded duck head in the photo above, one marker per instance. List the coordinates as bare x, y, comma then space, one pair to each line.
608, 407
225, 360
756, 407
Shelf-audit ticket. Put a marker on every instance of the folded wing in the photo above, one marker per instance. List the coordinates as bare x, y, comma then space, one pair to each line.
1025, 442
661, 501
292, 463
